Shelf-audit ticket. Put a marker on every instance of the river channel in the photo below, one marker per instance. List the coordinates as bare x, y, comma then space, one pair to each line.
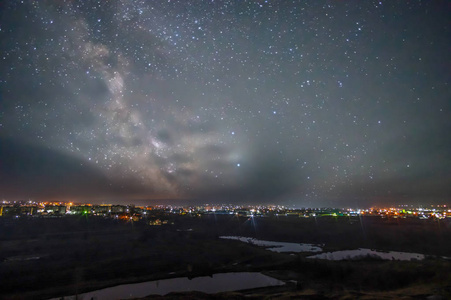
221, 282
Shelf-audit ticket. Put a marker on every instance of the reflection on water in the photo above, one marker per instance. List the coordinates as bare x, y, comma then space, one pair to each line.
337, 255
276, 246
222, 282
362, 252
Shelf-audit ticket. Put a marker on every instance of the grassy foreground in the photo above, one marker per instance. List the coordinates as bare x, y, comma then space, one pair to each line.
42, 258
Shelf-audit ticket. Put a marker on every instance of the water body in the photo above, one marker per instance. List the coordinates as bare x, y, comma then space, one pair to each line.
362, 252
222, 282
276, 246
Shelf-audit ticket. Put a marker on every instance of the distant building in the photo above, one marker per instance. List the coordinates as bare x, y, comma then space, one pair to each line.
55, 209
118, 209
102, 209
80, 209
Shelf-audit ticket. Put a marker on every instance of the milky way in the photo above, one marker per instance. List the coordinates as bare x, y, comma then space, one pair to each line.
299, 102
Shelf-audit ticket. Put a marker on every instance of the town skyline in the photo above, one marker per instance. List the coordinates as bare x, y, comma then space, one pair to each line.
287, 102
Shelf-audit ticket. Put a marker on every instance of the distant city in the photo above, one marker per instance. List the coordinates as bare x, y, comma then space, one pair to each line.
19, 209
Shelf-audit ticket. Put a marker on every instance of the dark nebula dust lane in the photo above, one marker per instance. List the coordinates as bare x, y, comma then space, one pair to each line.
297, 102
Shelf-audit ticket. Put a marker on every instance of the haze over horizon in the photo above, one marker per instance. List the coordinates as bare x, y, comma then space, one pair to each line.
305, 103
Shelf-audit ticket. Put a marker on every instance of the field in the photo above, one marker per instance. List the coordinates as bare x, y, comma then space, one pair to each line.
49, 257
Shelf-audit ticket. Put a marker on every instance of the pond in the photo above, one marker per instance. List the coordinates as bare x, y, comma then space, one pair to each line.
276, 246
362, 252
222, 282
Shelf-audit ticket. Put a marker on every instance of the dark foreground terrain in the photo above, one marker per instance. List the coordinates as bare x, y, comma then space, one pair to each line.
49, 257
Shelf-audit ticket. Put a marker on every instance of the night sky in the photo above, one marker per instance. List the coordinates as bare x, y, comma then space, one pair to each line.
307, 103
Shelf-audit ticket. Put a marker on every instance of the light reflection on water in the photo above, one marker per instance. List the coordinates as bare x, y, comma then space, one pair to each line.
363, 252
222, 282
337, 255
276, 246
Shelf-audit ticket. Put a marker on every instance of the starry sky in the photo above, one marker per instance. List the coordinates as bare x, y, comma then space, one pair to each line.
313, 103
